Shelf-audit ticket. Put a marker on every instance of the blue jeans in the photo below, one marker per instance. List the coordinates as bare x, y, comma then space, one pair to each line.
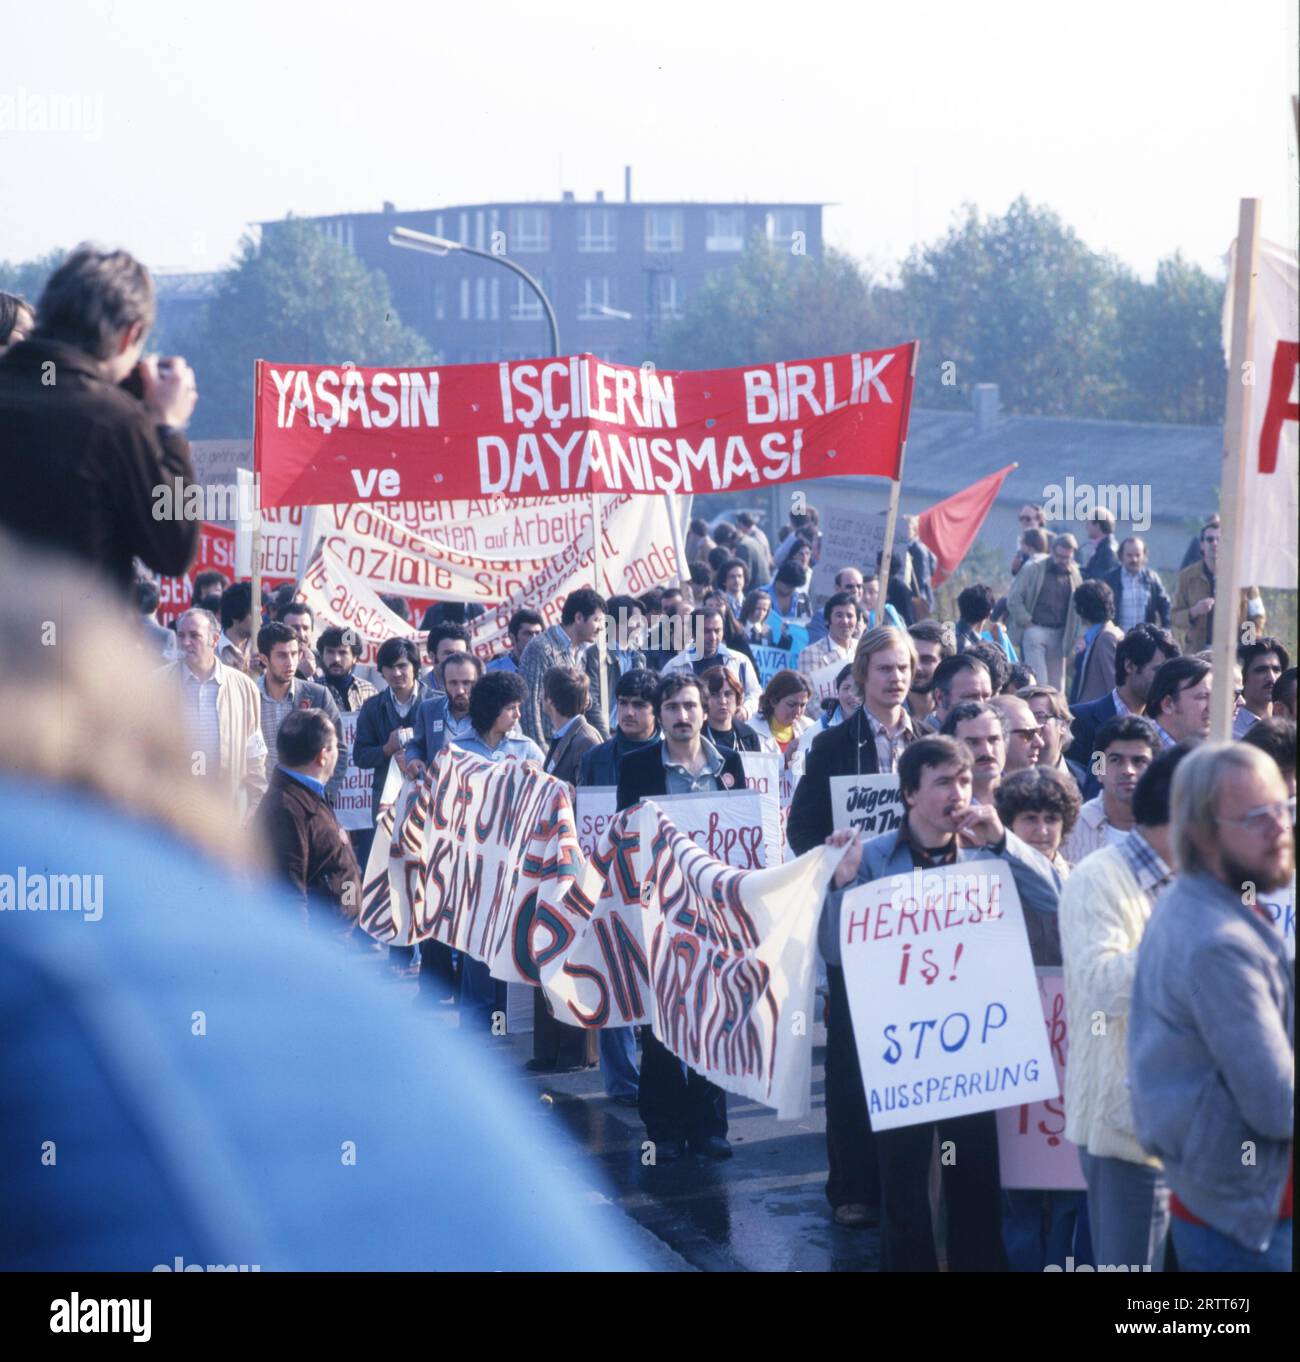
1128, 1211
1044, 1227
618, 1060
1202, 1249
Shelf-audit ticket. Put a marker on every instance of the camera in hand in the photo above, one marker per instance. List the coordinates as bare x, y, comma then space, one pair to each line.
134, 381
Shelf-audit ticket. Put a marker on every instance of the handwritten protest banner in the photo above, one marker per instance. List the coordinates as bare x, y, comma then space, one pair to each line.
771, 779
872, 804
1279, 904
943, 995
823, 684
352, 800
718, 961
595, 807
216, 551
850, 538
573, 425
338, 597
740, 828
1032, 1149
652, 929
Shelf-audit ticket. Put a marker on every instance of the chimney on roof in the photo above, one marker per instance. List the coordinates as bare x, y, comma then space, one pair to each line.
389, 206
627, 184
984, 403
567, 196
600, 196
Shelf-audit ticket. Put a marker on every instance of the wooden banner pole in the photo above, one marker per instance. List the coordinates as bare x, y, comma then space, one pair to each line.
891, 518
1236, 431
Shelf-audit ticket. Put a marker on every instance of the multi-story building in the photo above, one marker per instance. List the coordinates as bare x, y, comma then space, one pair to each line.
616, 273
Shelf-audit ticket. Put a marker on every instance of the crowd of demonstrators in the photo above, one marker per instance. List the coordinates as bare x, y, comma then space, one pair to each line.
971, 715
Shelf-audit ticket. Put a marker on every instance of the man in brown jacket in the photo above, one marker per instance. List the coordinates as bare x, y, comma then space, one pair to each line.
1193, 608
309, 848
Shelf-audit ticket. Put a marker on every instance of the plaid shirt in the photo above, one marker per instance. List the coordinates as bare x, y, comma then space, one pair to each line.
1134, 594
1149, 869
890, 746
356, 695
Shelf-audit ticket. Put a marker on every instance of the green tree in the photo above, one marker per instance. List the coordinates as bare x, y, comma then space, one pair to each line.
27, 277
300, 296
776, 305
1019, 301
1171, 349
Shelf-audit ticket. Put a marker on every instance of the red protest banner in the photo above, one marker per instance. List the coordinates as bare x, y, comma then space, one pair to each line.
554, 427
216, 550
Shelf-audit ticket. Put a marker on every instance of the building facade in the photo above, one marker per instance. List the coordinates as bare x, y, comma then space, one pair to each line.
617, 273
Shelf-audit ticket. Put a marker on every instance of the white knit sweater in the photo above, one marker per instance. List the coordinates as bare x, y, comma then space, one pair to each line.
1103, 915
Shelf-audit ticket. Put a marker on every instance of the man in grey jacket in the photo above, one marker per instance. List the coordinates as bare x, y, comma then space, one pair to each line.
1211, 1056
942, 827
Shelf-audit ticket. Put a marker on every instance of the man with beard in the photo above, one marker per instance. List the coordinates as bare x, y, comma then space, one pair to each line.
1212, 1061
932, 647
1105, 907
1125, 748
977, 724
942, 827
339, 650
1140, 655
439, 721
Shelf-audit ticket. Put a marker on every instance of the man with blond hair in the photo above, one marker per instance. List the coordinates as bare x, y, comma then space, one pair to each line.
1211, 1055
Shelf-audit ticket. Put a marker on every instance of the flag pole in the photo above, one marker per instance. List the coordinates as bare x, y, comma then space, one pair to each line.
598, 573
895, 489
1236, 429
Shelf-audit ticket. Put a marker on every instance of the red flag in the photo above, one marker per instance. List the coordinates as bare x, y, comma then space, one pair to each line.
949, 527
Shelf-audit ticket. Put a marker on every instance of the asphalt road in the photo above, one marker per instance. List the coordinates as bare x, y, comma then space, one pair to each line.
764, 1210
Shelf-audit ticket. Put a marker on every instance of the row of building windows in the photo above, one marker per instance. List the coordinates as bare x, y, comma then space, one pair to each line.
479, 299
529, 229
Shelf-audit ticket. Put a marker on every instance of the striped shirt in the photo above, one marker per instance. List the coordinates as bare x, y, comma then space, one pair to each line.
202, 722
1149, 869
1134, 595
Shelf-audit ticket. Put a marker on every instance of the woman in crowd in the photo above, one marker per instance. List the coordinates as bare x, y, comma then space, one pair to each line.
724, 695
755, 618
732, 579
847, 699
781, 714
1040, 806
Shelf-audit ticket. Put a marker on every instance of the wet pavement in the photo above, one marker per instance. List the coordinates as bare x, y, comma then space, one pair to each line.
764, 1210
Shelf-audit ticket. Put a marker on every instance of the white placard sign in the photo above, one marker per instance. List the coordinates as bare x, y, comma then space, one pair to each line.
593, 810
849, 539
943, 994
872, 804
734, 826
352, 801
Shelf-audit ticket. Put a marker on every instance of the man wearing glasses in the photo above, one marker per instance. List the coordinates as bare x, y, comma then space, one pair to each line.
1212, 1061
1194, 601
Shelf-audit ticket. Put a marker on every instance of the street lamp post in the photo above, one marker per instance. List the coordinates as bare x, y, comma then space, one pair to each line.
411, 240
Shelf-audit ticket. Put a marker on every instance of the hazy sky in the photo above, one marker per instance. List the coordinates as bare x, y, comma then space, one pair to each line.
1142, 123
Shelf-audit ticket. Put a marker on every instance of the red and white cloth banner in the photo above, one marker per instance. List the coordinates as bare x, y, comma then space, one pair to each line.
575, 425
216, 551
651, 929
337, 596
1266, 544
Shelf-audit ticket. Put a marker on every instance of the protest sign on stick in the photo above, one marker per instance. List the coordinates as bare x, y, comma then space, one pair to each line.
943, 995
850, 538
352, 800
1032, 1149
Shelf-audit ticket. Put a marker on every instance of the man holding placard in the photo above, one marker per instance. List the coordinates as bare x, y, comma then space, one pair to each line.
867, 744
942, 828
